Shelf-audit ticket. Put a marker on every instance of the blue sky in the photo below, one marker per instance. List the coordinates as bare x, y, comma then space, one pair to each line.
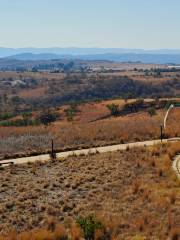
148, 24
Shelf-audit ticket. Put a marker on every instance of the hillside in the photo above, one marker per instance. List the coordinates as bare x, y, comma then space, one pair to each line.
86, 125
133, 193
38, 89
161, 56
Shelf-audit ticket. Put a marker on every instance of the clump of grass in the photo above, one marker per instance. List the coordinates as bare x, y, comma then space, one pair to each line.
175, 234
170, 220
140, 225
76, 233
172, 197
136, 187
160, 173
138, 237
153, 163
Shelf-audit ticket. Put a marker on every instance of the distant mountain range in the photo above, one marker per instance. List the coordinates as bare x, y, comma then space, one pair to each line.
162, 56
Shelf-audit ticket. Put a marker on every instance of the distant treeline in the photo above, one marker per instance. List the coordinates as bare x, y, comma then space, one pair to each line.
76, 89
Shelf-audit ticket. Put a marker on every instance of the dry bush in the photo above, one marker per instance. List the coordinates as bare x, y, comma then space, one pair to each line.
175, 234
170, 219
172, 197
135, 187
76, 232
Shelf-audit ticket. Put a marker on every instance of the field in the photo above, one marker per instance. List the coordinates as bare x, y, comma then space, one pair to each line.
132, 194
92, 125
135, 194
80, 101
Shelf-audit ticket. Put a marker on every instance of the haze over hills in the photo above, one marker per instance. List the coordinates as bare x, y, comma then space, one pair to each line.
161, 56
5, 52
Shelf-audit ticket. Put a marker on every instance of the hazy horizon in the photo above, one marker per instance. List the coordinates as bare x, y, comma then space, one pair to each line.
88, 47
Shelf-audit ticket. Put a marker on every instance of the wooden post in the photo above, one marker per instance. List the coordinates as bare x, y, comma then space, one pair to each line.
53, 155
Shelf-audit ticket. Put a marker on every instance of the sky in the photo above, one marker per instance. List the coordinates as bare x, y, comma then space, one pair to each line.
147, 24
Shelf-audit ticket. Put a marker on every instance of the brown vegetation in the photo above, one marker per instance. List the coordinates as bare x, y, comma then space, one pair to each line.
123, 189
85, 130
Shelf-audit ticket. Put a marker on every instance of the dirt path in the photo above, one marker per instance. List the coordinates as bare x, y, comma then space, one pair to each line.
176, 165
112, 148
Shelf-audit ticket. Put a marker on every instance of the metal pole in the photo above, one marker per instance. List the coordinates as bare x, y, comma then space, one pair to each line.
163, 127
167, 113
161, 133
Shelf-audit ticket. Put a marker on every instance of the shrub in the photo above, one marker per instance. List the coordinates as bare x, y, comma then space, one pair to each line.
172, 197
26, 115
152, 111
48, 117
71, 112
114, 109
89, 226
20, 122
6, 116
175, 234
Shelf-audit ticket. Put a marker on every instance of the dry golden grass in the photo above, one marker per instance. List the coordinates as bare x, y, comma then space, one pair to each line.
123, 189
36, 75
87, 131
37, 92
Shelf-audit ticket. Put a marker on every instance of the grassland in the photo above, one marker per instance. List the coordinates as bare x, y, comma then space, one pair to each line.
135, 194
92, 125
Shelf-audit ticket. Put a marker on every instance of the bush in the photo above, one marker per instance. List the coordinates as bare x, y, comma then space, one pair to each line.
6, 116
20, 123
48, 117
114, 109
152, 111
26, 115
71, 112
89, 225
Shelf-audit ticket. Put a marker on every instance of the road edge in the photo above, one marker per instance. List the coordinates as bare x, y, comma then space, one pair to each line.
175, 165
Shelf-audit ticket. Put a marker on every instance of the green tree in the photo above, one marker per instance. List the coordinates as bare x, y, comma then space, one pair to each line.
114, 109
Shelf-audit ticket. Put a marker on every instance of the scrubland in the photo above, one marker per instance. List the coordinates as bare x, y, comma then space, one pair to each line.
91, 126
129, 195
26, 92
135, 194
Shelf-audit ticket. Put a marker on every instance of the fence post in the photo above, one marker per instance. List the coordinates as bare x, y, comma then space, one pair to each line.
53, 155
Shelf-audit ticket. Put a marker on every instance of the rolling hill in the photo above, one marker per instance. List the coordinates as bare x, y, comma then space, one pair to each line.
111, 54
